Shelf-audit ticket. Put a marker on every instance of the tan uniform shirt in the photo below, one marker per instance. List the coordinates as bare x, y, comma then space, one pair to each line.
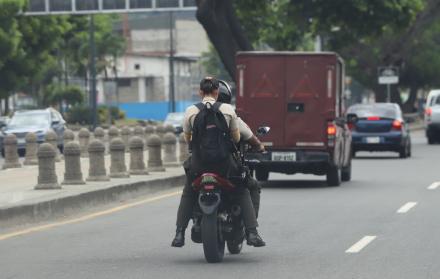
245, 131
226, 109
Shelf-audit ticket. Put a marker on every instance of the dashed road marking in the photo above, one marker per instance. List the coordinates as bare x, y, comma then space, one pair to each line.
406, 207
434, 186
361, 244
88, 217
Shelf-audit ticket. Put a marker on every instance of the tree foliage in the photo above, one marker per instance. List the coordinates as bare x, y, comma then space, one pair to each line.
367, 33
37, 51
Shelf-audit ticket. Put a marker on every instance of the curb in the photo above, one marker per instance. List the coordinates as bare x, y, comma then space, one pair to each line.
45, 210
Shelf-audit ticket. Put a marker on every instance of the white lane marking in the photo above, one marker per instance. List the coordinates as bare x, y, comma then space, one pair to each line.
361, 244
406, 207
434, 186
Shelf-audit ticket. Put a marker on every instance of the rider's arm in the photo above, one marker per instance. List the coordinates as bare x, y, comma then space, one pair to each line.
187, 122
247, 135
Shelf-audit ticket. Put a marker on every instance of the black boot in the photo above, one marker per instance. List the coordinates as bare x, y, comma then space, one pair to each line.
253, 238
179, 239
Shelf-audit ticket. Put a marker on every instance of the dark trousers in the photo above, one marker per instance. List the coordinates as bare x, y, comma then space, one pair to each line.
243, 196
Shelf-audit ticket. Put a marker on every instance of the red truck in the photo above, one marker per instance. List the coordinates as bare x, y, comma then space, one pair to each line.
299, 95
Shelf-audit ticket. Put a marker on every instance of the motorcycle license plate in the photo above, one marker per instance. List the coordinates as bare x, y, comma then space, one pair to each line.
284, 156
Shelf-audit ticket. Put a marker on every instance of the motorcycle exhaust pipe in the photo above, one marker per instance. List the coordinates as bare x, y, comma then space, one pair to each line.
236, 210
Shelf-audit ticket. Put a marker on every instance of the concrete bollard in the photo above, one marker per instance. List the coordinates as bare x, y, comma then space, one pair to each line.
139, 131
169, 142
47, 177
118, 168
72, 173
170, 129
68, 136
84, 139
183, 148
97, 171
52, 138
160, 131
31, 150
99, 134
11, 154
155, 154
113, 133
126, 135
149, 130
137, 164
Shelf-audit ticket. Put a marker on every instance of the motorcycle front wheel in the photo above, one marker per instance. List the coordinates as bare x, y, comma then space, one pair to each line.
213, 242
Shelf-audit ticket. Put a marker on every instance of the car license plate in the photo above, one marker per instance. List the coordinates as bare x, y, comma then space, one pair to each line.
373, 140
21, 141
284, 156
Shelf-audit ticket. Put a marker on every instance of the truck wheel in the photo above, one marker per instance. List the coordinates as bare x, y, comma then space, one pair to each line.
262, 174
333, 176
346, 173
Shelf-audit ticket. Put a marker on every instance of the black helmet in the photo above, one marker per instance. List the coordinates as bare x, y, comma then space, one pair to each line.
225, 94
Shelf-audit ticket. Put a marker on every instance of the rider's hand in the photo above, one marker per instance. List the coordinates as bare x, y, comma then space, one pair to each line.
261, 148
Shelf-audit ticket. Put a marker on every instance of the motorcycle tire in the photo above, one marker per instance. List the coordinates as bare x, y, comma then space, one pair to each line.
213, 242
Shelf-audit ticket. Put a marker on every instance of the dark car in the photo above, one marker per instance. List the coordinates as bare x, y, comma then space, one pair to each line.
35, 121
379, 127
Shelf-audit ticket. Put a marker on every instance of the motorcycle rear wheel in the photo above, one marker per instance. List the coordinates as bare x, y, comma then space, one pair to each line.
213, 242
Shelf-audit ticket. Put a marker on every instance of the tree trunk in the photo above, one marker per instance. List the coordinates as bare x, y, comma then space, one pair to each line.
220, 22
409, 105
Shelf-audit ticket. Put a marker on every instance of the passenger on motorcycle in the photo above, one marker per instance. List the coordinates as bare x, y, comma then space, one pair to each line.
209, 91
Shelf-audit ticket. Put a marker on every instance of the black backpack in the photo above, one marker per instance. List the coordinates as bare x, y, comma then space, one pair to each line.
211, 140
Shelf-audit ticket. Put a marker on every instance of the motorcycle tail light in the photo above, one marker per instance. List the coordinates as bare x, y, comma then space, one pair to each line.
209, 187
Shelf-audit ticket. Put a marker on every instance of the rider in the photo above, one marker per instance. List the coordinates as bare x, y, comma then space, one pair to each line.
225, 96
209, 90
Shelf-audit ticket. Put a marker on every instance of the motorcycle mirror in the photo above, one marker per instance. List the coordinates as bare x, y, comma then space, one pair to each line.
264, 130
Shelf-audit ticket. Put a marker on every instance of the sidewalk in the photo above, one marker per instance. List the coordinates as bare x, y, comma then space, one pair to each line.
20, 203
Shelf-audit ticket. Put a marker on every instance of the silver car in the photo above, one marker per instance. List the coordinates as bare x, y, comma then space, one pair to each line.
35, 121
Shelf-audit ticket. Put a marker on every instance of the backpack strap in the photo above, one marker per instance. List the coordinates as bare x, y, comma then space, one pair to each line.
216, 106
200, 106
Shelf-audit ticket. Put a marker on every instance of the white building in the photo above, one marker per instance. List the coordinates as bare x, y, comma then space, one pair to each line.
143, 73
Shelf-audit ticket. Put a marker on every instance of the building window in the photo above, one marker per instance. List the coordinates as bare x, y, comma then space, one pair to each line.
124, 82
137, 66
140, 4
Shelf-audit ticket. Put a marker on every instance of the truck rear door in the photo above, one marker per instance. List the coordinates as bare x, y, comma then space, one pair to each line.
261, 97
310, 99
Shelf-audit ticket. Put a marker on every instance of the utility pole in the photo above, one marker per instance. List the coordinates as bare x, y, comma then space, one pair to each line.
92, 69
172, 89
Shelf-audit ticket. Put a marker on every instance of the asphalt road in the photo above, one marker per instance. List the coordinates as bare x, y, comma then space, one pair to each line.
312, 231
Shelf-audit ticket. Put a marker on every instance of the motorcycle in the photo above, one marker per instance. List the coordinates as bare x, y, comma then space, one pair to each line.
217, 219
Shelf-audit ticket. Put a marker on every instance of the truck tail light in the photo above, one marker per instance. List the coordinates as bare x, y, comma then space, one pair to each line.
397, 125
331, 134
331, 130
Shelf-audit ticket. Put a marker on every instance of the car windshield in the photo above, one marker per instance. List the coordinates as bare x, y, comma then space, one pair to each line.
437, 101
363, 111
29, 120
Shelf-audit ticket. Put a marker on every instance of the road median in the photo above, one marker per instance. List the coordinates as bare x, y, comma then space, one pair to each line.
67, 201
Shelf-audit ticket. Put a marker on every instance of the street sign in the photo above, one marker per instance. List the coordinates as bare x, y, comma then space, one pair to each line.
388, 75
59, 7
